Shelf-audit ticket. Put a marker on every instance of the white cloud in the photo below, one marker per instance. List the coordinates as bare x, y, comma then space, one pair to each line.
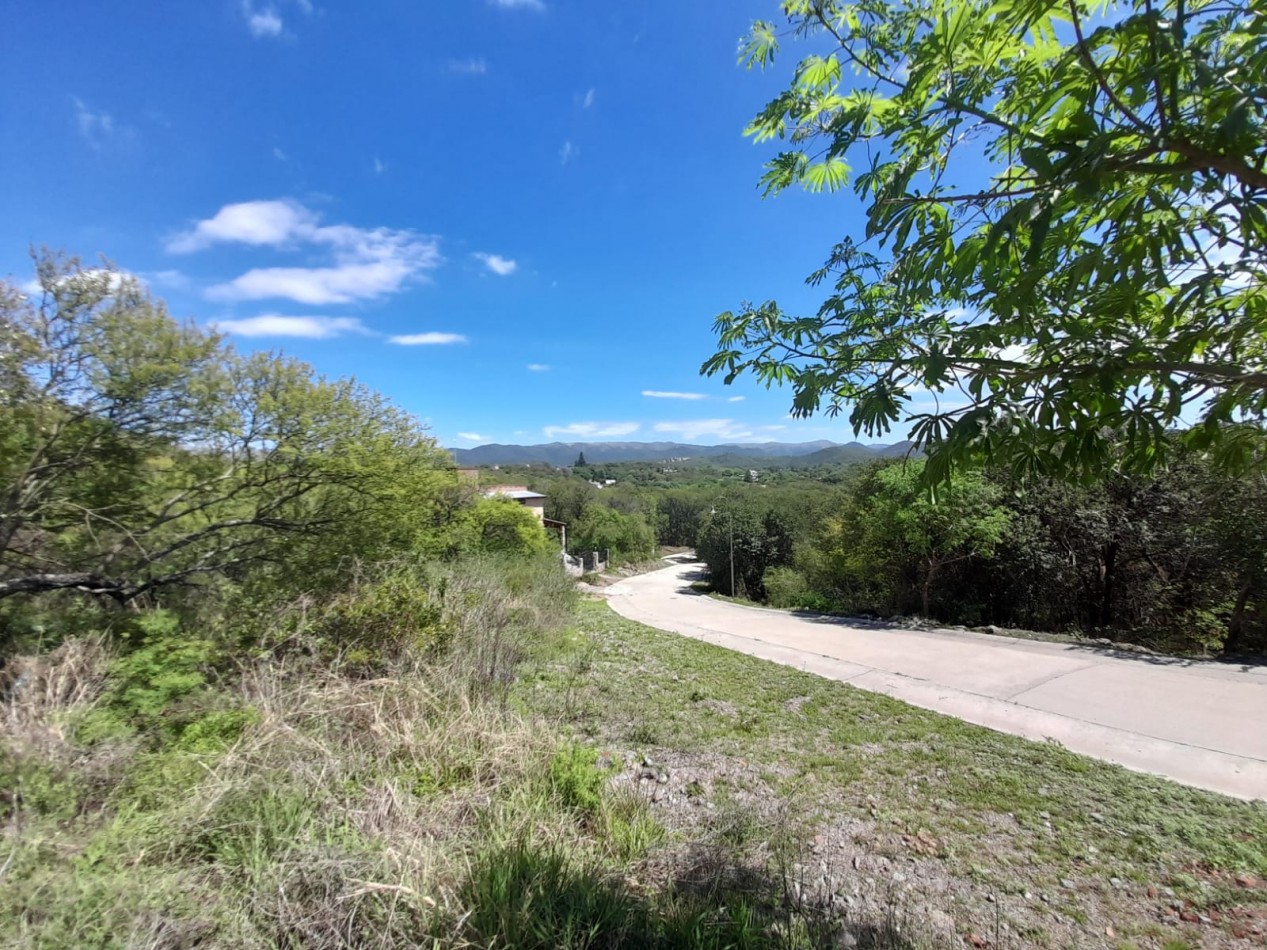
536, 6
368, 262
736, 399
258, 223
591, 430
273, 324
538, 367
692, 429
426, 339
501, 266
263, 23
472, 437
279, 154
568, 152
379, 166
93, 126
88, 279
589, 99
472, 66
660, 394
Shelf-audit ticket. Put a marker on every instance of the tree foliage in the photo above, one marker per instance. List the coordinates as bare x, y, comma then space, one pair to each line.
1066, 227
137, 453
627, 537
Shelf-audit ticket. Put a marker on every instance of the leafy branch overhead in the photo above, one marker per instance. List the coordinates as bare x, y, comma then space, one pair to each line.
1066, 227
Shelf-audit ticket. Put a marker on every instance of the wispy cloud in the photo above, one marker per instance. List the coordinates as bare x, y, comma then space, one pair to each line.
367, 262
426, 339
538, 367
661, 394
501, 266
172, 279
263, 23
273, 324
279, 154
567, 152
472, 66
589, 99
537, 6
692, 429
379, 166
472, 437
95, 127
591, 430
736, 399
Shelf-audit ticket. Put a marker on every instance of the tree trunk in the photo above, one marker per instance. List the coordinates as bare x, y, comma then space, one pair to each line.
1235, 642
926, 592
1108, 577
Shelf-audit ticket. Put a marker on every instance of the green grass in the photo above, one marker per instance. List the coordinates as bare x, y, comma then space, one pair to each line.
621, 787
1015, 813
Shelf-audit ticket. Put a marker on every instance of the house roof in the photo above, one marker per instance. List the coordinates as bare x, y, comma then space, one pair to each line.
517, 494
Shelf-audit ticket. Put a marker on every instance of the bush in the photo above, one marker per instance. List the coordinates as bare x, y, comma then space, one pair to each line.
576, 779
378, 621
785, 587
168, 667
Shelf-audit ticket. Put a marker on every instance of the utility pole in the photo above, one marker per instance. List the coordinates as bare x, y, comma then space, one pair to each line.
732, 555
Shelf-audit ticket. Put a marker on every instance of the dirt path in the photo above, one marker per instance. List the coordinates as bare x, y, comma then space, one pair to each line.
1200, 723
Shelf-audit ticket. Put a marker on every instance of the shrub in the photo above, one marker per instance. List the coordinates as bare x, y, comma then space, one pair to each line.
576, 778
379, 620
168, 666
785, 587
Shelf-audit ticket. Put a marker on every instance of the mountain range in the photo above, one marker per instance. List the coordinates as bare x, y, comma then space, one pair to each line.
783, 453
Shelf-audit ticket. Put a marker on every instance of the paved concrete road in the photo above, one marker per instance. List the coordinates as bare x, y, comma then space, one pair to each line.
1200, 723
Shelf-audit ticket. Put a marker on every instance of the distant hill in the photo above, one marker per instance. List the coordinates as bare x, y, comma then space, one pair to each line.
786, 453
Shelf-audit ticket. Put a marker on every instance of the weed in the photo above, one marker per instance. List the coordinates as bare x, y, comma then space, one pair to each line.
576, 778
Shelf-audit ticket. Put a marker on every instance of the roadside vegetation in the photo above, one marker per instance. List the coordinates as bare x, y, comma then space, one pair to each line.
1174, 560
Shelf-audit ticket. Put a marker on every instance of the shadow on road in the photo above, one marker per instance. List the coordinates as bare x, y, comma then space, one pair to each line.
1237, 664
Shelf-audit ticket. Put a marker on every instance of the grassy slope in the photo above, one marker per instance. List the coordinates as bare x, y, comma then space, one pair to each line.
628, 788
998, 833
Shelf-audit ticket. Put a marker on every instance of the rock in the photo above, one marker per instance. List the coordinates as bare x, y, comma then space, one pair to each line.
1246, 880
1067, 884
662, 778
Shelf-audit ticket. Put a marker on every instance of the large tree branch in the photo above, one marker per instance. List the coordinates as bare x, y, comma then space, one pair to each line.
82, 581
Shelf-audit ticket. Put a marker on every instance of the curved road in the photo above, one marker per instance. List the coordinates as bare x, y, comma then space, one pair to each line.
1200, 723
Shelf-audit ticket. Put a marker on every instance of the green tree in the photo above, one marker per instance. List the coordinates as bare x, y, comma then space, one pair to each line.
965, 521
568, 498
137, 453
498, 526
1066, 227
627, 536
750, 540
580, 461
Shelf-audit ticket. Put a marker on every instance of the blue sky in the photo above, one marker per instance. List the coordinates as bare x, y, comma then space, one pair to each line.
516, 218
